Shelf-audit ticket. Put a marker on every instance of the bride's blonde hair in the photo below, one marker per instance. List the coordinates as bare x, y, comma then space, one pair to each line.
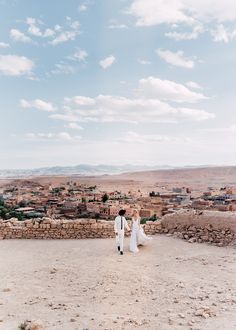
135, 211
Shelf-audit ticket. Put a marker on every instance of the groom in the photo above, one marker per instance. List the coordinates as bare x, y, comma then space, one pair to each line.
119, 227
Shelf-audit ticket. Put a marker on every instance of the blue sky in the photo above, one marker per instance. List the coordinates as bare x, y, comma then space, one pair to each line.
116, 82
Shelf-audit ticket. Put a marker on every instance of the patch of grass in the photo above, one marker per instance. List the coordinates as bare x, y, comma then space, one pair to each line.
24, 326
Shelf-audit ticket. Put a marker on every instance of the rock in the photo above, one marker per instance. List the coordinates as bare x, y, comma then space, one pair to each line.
198, 312
205, 312
53, 271
36, 325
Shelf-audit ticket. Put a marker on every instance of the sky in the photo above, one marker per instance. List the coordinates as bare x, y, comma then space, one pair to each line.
143, 82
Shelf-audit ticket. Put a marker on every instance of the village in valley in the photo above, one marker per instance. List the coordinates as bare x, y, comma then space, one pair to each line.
27, 199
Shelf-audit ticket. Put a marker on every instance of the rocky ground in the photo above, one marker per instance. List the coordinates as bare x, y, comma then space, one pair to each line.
85, 284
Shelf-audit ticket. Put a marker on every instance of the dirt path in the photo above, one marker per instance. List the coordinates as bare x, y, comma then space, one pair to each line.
85, 284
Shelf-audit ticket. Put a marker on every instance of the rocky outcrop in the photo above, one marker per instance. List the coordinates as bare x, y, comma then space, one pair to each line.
212, 227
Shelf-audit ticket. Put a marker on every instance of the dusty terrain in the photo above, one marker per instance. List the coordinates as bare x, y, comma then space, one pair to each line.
85, 284
196, 178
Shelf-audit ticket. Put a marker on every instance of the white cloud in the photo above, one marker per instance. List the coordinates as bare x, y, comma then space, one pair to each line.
222, 34
107, 109
57, 27
4, 45
193, 85
107, 62
19, 36
69, 35
74, 126
63, 68
80, 101
200, 15
75, 25
64, 136
116, 25
143, 62
58, 34
134, 137
211, 10
167, 90
148, 106
64, 37
34, 29
80, 55
38, 104
224, 130
68, 116
155, 12
13, 65
197, 30
83, 7
176, 59
61, 136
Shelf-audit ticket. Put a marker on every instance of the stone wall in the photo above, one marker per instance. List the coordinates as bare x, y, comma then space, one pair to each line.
63, 229
214, 227
217, 228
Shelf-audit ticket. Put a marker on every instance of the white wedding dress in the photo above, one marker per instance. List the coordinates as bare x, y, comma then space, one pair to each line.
138, 236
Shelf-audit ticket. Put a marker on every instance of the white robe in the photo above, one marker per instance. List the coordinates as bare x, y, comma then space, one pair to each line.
138, 236
119, 227
133, 246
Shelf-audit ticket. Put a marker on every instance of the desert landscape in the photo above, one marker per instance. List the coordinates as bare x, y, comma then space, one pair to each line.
198, 178
85, 284
118, 125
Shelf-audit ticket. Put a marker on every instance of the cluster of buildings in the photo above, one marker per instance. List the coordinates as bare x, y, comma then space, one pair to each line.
223, 199
72, 200
69, 200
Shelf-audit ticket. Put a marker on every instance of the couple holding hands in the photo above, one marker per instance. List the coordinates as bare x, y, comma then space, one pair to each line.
138, 237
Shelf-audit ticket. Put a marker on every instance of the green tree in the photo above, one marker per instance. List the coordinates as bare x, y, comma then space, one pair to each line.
105, 198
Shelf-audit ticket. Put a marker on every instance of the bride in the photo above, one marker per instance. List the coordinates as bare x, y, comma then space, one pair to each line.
138, 237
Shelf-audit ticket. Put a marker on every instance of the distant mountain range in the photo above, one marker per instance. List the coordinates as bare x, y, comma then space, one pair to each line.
84, 170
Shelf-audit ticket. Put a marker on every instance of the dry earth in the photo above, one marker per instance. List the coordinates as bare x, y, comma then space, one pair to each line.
85, 284
196, 178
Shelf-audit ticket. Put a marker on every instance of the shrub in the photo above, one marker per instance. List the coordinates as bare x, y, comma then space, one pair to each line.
24, 326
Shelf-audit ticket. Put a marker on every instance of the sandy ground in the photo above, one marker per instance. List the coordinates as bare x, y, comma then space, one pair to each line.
85, 284
196, 178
